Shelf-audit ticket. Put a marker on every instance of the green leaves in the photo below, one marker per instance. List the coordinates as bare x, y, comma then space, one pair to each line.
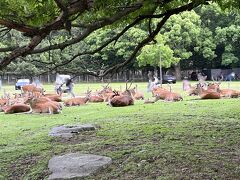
151, 54
30, 12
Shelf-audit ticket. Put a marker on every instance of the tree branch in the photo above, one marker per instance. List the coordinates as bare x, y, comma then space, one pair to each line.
151, 37
21, 51
89, 29
19, 27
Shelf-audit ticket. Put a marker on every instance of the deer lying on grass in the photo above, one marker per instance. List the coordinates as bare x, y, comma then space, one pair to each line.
192, 91
96, 98
3, 101
77, 101
119, 100
17, 108
228, 93
137, 94
124, 99
106, 93
30, 88
213, 86
166, 95
54, 97
207, 94
44, 105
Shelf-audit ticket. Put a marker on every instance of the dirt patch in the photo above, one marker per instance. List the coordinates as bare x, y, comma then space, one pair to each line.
21, 167
86, 136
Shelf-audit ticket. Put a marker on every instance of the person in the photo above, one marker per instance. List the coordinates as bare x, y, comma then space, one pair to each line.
69, 85
186, 84
150, 78
58, 88
230, 77
37, 83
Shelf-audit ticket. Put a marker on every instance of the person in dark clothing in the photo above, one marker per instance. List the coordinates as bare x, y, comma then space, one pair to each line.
69, 85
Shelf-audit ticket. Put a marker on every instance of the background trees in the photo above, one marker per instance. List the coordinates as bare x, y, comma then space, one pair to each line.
100, 37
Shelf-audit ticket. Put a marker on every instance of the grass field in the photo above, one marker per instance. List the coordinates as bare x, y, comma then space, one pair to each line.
192, 139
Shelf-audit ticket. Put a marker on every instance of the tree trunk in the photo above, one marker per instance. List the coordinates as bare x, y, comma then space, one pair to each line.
177, 69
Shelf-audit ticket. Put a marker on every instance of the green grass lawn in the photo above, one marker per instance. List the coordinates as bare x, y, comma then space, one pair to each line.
192, 139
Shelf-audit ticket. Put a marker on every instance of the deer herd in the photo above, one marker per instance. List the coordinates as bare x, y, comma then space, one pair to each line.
35, 100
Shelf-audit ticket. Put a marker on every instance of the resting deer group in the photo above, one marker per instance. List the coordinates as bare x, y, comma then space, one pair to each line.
213, 91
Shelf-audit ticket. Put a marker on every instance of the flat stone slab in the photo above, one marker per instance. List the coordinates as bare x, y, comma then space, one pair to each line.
68, 131
75, 165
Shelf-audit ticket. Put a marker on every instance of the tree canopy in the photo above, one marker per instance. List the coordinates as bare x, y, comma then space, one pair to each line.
69, 25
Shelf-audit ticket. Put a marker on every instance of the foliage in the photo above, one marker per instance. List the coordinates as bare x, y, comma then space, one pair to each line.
203, 34
230, 37
151, 54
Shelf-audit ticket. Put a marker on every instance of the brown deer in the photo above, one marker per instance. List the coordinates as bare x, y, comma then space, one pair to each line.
77, 101
3, 101
44, 105
106, 93
30, 88
213, 86
54, 97
229, 93
208, 94
137, 94
17, 108
96, 98
124, 99
166, 95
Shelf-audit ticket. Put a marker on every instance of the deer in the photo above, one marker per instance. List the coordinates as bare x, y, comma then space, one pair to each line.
54, 97
106, 93
207, 94
77, 101
229, 93
166, 95
44, 105
213, 86
3, 101
30, 88
192, 91
137, 94
123, 99
96, 98
17, 108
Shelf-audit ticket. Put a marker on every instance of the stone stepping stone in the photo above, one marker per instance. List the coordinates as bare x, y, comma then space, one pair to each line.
67, 131
75, 165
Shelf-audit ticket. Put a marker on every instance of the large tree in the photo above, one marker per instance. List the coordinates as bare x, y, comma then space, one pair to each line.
38, 19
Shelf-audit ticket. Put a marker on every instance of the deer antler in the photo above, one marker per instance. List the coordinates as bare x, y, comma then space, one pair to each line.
130, 84
115, 92
213, 79
170, 87
126, 84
